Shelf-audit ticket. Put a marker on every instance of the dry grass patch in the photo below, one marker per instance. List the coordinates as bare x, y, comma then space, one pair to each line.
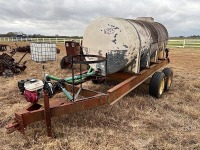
138, 121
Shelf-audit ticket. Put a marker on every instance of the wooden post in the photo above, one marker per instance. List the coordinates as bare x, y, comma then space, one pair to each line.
184, 43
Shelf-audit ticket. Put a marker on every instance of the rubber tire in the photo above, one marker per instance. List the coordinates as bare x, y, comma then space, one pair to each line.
155, 84
98, 81
168, 74
64, 64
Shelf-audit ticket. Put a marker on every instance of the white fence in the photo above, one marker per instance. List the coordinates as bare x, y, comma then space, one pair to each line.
183, 43
50, 40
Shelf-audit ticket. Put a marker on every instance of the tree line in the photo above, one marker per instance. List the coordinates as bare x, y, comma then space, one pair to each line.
186, 37
13, 34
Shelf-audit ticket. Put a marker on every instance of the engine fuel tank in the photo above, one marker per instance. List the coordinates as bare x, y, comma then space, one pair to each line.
129, 44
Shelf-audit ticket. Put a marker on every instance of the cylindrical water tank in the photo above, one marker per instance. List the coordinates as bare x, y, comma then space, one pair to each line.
129, 44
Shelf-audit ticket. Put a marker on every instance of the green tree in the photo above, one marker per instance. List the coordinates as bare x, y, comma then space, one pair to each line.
10, 34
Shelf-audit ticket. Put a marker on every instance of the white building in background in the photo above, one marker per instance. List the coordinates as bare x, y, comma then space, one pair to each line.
20, 36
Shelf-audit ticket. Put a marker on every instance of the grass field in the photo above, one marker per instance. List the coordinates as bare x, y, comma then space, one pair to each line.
137, 121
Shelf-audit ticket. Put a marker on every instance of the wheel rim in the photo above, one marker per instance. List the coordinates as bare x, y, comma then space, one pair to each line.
169, 81
162, 86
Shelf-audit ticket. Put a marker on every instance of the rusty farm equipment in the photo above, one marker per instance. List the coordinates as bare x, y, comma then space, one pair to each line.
4, 47
72, 48
21, 49
103, 67
8, 66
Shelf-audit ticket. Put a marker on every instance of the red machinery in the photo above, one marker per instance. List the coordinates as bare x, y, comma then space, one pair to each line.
72, 48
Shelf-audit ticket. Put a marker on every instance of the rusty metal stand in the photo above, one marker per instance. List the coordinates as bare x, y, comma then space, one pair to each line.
47, 114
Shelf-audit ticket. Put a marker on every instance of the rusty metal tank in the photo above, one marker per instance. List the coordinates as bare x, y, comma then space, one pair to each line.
129, 44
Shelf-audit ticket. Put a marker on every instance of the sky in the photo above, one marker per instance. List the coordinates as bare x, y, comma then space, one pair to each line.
71, 17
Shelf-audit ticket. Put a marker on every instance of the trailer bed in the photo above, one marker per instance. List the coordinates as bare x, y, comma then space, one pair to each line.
90, 99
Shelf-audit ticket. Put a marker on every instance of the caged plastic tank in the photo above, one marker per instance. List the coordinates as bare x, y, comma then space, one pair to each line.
129, 44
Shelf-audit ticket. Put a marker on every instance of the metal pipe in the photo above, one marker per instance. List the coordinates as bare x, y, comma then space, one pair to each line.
72, 77
81, 69
106, 70
67, 94
22, 58
47, 113
77, 78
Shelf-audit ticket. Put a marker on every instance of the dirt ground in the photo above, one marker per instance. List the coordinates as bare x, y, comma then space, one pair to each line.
138, 121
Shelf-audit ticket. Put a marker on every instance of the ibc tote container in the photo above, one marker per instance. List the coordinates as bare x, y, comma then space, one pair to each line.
41, 52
